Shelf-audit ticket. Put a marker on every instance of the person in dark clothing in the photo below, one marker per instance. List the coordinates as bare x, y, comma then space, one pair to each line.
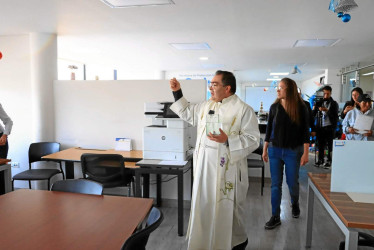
312, 126
286, 146
326, 113
349, 105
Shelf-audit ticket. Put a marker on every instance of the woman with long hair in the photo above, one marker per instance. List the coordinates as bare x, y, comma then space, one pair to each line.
286, 146
349, 105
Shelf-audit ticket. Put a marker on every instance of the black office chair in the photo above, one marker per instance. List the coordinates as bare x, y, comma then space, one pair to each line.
258, 163
364, 239
36, 152
107, 169
139, 239
81, 186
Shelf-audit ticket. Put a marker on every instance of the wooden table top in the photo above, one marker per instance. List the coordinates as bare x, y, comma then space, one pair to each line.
39, 219
353, 214
74, 154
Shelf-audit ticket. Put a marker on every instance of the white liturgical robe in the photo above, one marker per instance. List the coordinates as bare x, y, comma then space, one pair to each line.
220, 182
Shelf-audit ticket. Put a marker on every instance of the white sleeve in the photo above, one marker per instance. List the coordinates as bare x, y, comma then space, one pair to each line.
244, 142
186, 111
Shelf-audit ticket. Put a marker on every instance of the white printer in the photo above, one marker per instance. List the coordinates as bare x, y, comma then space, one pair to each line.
168, 138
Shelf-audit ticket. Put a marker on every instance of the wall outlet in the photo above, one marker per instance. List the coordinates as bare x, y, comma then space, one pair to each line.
15, 164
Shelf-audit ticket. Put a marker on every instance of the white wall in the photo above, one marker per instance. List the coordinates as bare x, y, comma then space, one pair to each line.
310, 86
94, 113
16, 96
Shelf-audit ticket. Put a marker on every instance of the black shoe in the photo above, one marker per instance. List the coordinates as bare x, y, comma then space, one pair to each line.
319, 163
273, 222
327, 165
241, 246
295, 210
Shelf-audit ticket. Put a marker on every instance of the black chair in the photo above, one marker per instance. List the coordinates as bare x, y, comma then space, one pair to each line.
139, 239
258, 163
81, 186
108, 170
364, 239
36, 152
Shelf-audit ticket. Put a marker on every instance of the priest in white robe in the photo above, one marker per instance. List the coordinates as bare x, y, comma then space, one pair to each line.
217, 218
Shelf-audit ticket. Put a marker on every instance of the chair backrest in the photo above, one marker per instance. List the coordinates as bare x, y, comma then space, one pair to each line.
260, 148
39, 149
139, 239
78, 186
104, 168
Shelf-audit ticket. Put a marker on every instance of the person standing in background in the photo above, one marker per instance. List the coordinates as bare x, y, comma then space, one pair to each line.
353, 103
326, 112
286, 144
365, 103
4, 132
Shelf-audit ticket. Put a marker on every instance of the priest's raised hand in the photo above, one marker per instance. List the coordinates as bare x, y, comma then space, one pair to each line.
174, 84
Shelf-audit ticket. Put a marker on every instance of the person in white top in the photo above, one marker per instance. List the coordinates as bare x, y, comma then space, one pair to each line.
217, 218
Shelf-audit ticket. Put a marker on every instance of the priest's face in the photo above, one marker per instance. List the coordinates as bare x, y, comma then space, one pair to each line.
217, 90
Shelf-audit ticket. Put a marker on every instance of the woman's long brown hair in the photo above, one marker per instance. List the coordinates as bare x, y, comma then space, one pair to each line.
293, 100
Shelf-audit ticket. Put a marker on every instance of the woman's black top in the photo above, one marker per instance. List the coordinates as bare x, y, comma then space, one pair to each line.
284, 133
349, 103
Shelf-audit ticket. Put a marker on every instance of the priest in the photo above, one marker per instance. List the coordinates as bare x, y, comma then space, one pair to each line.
227, 132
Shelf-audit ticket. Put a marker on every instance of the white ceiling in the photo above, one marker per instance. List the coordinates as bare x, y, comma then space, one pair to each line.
250, 35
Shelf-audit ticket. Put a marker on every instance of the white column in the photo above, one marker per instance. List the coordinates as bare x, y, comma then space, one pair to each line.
332, 79
159, 74
43, 49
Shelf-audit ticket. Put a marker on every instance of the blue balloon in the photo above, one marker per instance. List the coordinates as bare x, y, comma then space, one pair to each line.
340, 14
346, 18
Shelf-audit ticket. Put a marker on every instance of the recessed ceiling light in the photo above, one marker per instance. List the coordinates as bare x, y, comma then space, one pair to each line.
213, 66
280, 74
203, 58
367, 74
273, 79
316, 42
135, 3
190, 46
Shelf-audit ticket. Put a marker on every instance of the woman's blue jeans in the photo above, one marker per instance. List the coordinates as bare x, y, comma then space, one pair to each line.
290, 158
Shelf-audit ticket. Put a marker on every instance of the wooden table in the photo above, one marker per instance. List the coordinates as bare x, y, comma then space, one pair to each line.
160, 167
346, 213
71, 155
39, 219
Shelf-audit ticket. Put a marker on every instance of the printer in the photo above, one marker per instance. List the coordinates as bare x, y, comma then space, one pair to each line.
169, 137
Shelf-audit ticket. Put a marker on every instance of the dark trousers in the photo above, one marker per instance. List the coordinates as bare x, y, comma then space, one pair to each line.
325, 135
3, 154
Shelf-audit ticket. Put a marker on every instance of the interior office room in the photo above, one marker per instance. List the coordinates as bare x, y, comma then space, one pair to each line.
81, 73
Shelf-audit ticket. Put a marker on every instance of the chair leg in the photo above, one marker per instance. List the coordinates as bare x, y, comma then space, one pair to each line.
129, 191
49, 180
12, 185
62, 172
29, 184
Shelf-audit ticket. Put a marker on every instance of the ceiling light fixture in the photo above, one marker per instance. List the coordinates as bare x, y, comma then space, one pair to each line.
135, 3
280, 74
273, 79
203, 58
190, 46
367, 74
316, 42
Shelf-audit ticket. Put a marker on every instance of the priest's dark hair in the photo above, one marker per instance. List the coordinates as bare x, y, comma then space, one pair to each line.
228, 79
